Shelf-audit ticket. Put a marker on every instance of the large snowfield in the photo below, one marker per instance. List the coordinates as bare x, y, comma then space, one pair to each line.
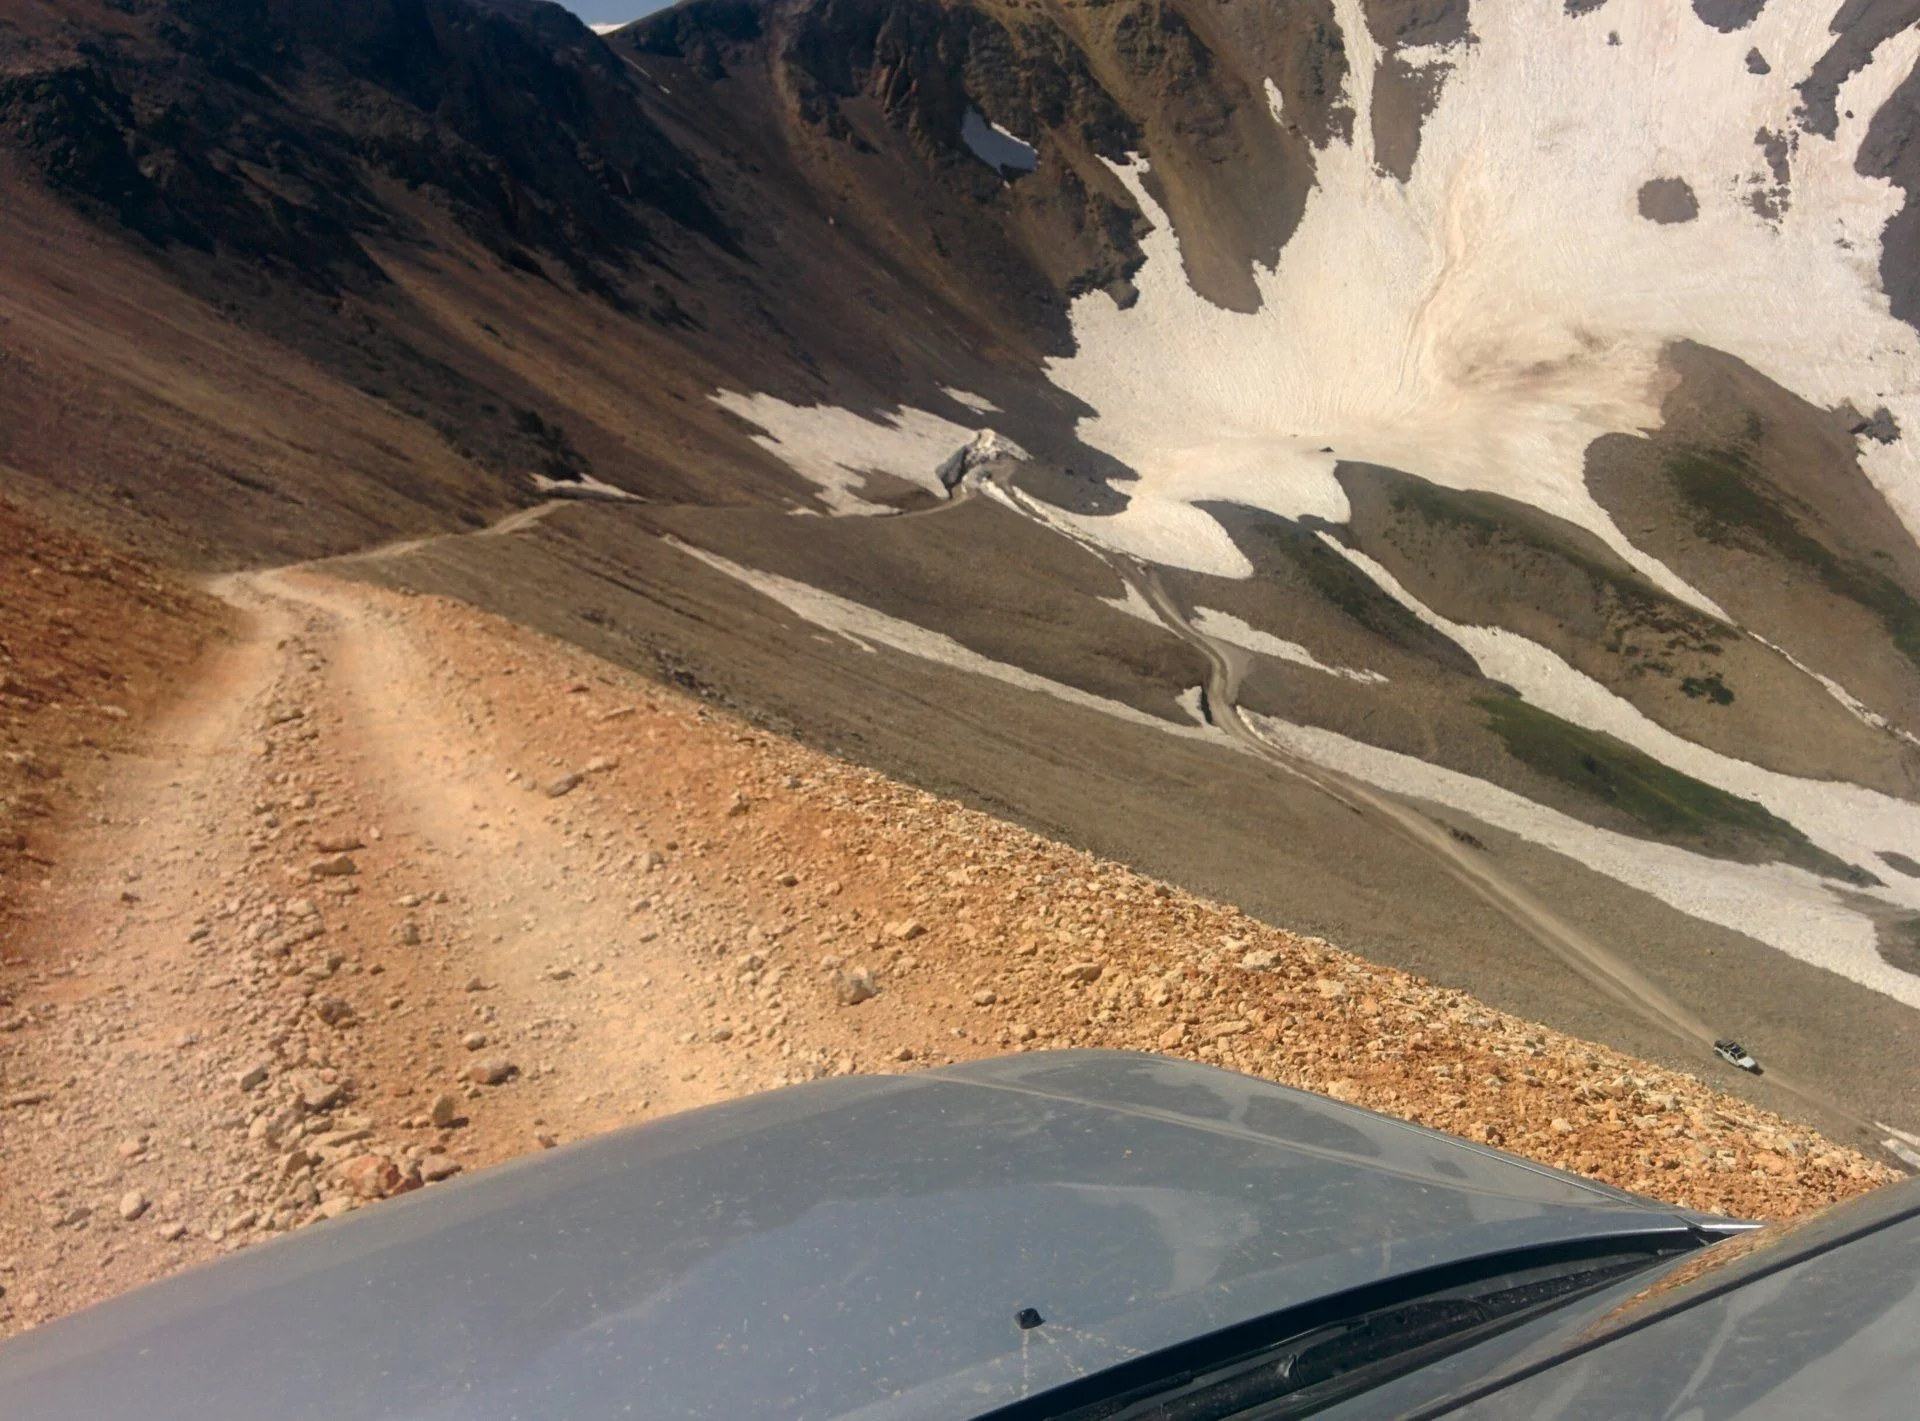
1480, 325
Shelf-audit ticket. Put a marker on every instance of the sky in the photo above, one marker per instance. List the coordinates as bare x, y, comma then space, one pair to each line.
610, 12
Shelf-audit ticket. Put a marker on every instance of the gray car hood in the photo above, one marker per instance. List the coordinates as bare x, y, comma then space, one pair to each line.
853, 1248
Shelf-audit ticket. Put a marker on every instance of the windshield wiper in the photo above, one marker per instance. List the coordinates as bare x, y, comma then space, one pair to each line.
1301, 1359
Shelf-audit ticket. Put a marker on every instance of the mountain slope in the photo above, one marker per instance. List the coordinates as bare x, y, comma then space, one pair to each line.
1506, 406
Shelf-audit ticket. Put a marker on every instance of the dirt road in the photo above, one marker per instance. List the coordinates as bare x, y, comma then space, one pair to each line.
399, 890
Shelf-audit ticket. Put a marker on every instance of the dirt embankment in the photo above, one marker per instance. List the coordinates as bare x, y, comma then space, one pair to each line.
91, 642
399, 890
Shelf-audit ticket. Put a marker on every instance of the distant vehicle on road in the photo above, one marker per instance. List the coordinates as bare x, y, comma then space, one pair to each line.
1044, 1237
1734, 1054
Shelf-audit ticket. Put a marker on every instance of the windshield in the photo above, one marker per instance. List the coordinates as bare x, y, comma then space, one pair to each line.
1303, 1359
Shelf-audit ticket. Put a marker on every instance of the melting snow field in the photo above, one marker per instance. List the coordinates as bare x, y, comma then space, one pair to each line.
1483, 323
1479, 326
1784, 907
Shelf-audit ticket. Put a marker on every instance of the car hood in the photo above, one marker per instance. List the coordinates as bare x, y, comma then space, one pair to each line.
857, 1247
1817, 1317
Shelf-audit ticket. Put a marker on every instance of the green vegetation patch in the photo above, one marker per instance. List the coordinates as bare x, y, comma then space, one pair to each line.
1734, 508
1711, 688
1484, 519
1644, 624
1346, 587
1666, 804
1899, 944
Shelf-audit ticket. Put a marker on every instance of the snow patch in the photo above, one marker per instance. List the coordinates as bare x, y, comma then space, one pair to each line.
1784, 907
1224, 626
1134, 605
836, 448
1481, 324
979, 404
586, 487
1275, 105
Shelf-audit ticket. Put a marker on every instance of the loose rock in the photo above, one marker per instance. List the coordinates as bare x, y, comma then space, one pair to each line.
852, 988
493, 1071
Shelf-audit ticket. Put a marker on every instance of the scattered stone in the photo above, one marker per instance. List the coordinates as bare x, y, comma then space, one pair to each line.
132, 1205
495, 1070
474, 1040
334, 1011
724, 1033
906, 931
252, 1078
171, 1233
371, 1177
1260, 960
852, 988
985, 998
557, 974
337, 843
565, 785
320, 1096
444, 1112
337, 866
336, 1206
435, 1168
905, 1053
1082, 972
652, 861
1561, 1125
